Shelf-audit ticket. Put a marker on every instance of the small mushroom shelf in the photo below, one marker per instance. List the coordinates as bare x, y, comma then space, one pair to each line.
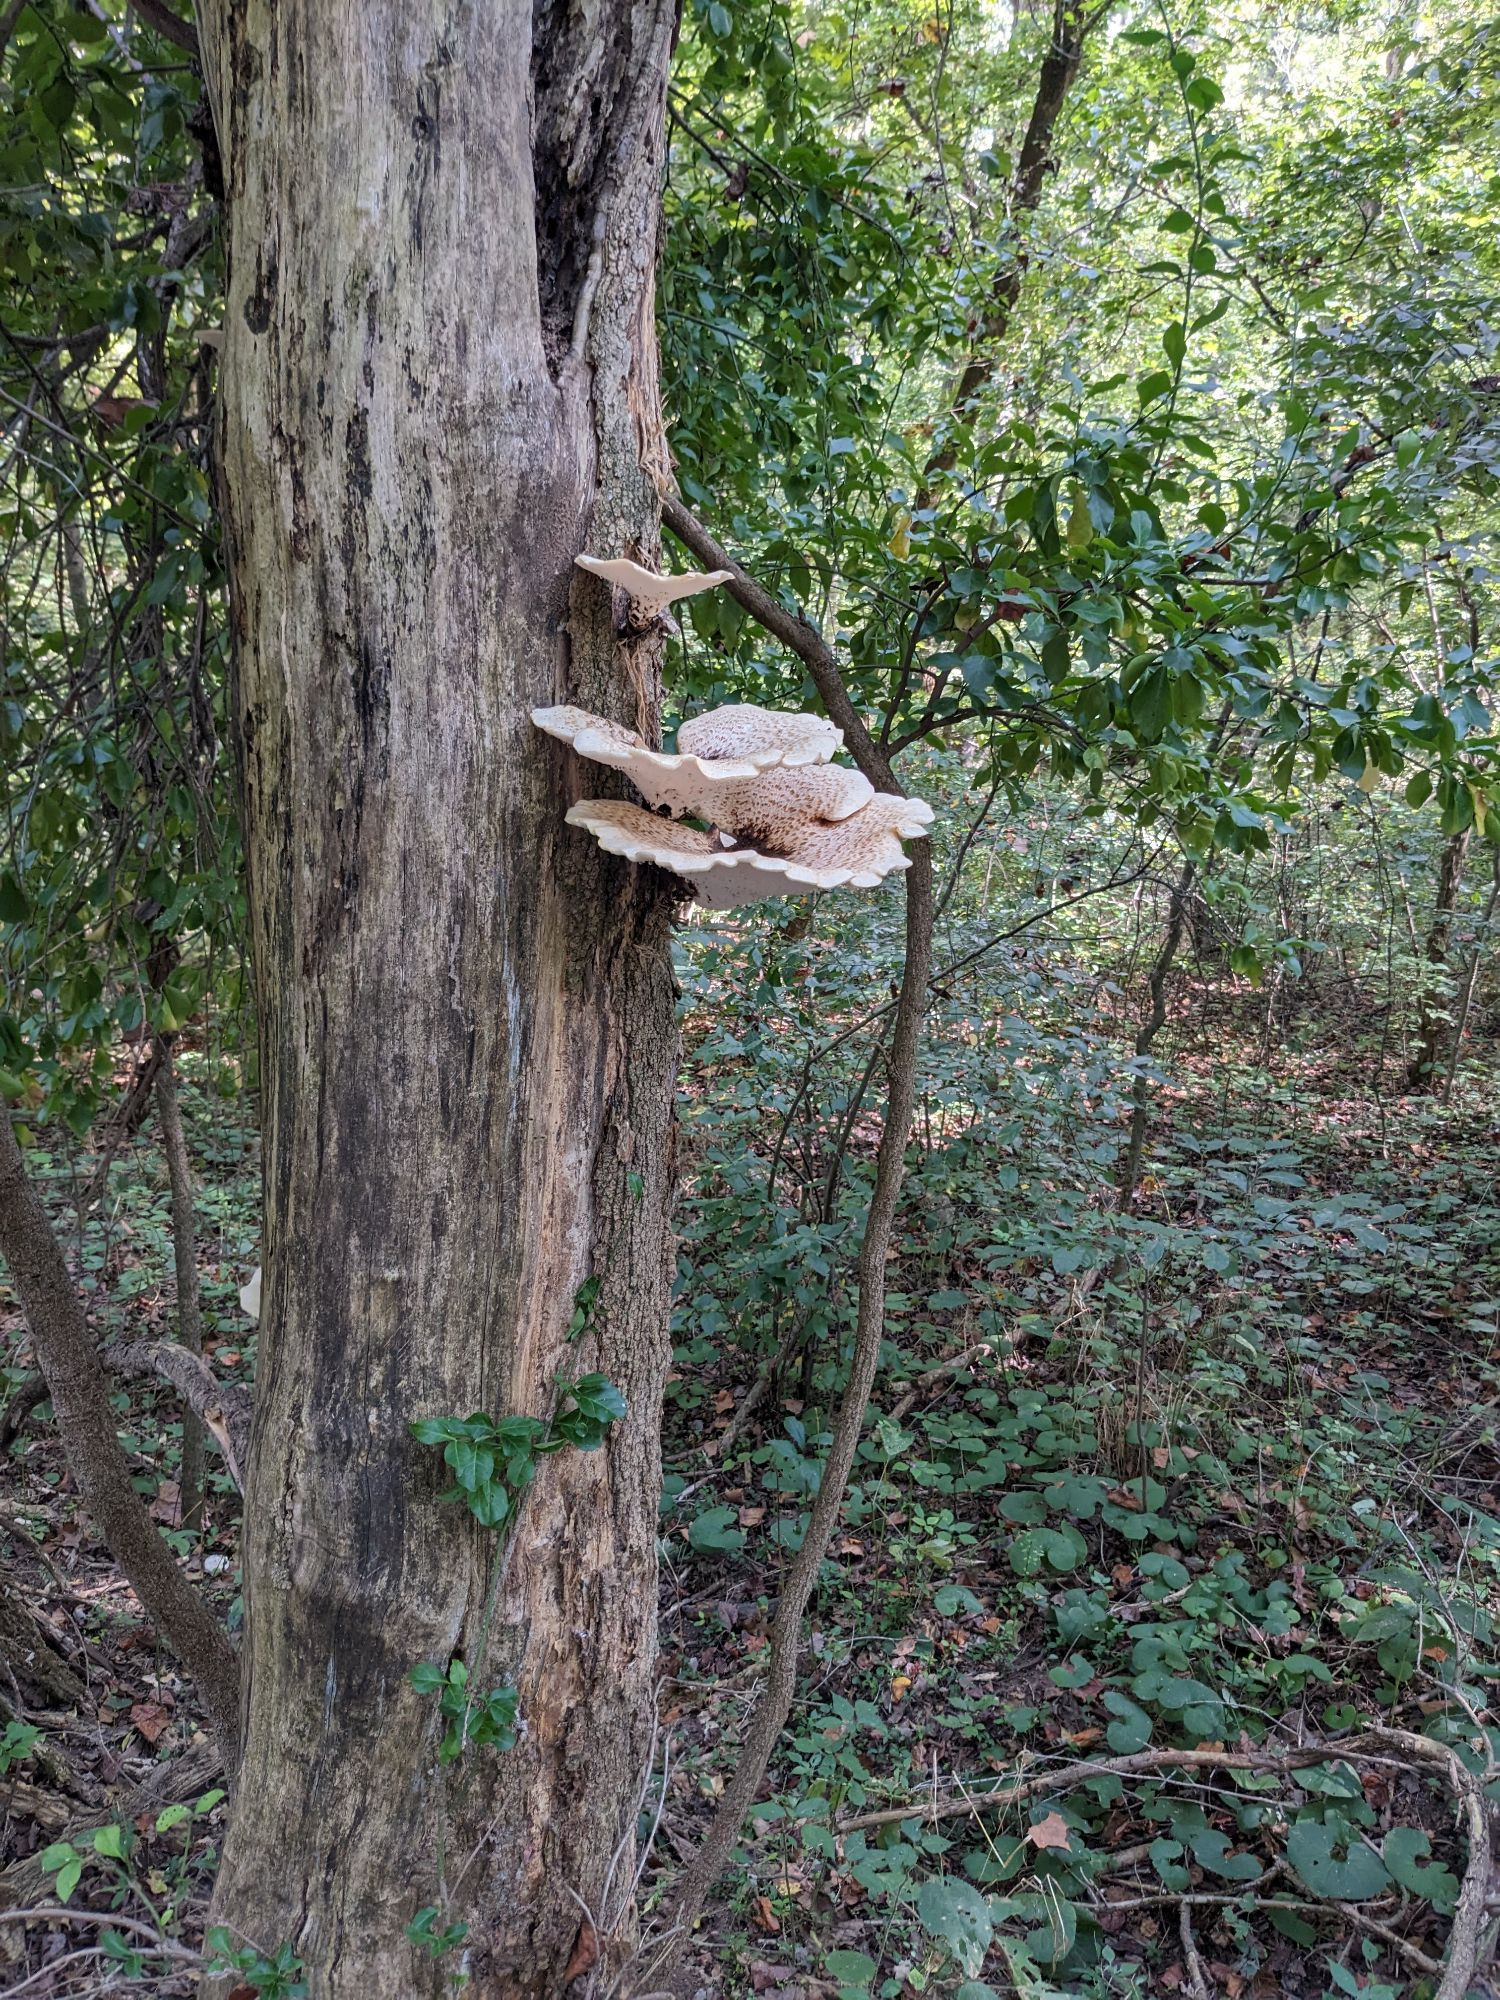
783, 818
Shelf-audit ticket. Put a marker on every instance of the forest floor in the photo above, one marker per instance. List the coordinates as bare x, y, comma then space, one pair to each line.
1190, 1548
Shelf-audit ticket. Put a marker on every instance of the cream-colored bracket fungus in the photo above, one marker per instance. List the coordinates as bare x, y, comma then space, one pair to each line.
648, 595
783, 819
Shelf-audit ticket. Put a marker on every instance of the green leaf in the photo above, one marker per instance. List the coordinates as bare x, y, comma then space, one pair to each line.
713, 1532
1131, 1729
1294, 1927
1174, 343
56, 103
110, 1841
1151, 703
598, 1397
1406, 1852
957, 1915
1211, 1851
1334, 1861
952, 1600
850, 1967
1165, 1860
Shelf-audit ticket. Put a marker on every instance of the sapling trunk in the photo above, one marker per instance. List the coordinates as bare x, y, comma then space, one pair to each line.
185, 1257
1471, 978
1155, 1020
1431, 1012
770, 1714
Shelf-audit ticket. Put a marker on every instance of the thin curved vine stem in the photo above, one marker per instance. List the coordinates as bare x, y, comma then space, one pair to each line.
770, 1714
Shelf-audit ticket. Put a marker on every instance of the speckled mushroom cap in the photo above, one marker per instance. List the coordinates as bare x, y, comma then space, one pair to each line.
759, 736
774, 806
866, 847
736, 792
681, 784
722, 877
645, 586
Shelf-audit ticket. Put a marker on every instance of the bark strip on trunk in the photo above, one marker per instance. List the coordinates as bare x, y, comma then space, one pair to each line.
440, 386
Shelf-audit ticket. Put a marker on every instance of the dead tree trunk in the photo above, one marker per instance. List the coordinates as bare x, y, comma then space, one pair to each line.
1432, 1011
439, 386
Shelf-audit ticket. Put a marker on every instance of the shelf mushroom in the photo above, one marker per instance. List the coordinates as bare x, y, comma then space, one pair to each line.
648, 594
785, 820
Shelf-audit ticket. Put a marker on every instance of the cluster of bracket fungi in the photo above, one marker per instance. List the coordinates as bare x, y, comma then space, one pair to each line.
781, 818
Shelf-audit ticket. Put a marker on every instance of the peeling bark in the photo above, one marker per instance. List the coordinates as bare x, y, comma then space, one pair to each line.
440, 386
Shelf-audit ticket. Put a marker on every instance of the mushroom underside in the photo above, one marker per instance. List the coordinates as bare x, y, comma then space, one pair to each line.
852, 853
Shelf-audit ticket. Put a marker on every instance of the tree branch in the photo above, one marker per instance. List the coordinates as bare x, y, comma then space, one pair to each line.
794, 631
67, 1356
185, 1257
171, 27
222, 1407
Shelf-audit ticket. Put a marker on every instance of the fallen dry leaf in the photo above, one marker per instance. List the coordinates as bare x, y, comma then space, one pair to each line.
765, 1918
1049, 1832
150, 1718
585, 1954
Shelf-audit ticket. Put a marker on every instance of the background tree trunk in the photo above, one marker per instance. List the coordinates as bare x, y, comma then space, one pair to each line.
439, 385
185, 1262
1432, 1013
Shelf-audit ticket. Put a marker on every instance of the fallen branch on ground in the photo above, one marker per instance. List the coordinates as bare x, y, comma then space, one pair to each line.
1376, 1745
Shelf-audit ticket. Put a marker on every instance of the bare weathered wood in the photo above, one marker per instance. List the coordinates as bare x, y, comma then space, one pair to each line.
439, 386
